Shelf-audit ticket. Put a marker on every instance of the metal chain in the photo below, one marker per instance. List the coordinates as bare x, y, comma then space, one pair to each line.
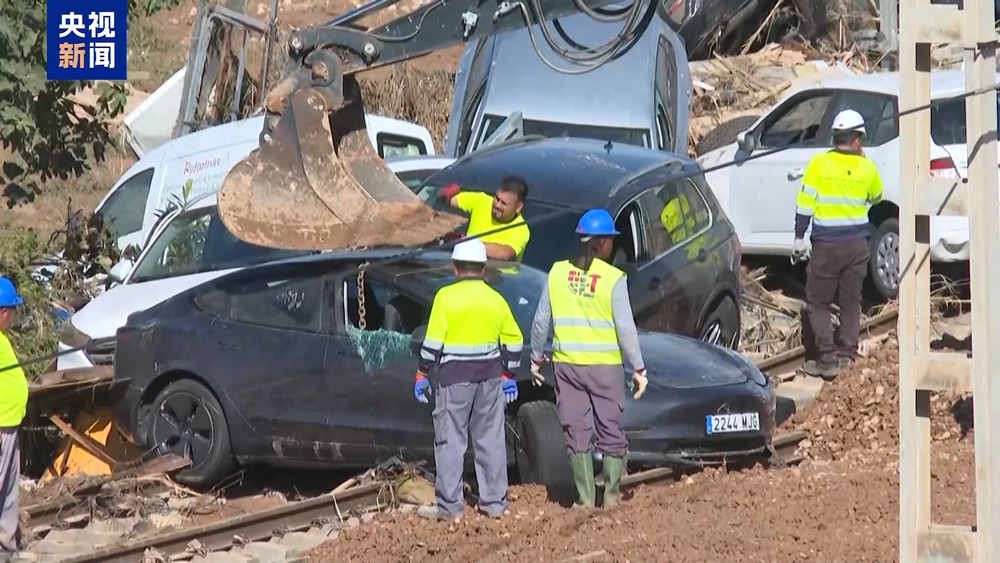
362, 322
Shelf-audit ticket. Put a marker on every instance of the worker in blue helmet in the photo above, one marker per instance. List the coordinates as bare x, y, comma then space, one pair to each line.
13, 403
587, 303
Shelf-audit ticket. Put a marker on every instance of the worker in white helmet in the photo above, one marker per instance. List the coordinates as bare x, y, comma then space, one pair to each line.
472, 345
837, 190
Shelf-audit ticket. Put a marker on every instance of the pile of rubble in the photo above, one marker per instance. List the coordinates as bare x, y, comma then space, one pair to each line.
729, 87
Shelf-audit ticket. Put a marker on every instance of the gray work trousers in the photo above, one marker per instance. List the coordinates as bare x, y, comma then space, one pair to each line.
461, 409
10, 471
836, 270
589, 397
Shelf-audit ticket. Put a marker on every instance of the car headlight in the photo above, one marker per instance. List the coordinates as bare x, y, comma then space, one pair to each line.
71, 336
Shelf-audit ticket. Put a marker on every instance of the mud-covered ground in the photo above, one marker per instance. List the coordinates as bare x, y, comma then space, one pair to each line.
841, 504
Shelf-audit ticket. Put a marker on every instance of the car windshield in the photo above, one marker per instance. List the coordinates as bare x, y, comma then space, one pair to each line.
948, 122
197, 241
521, 287
553, 129
552, 227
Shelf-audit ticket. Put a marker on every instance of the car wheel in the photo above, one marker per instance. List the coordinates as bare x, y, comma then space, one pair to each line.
722, 325
883, 264
541, 451
724, 133
188, 420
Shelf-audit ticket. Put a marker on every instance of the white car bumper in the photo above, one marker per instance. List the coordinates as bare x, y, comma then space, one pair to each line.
73, 360
949, 239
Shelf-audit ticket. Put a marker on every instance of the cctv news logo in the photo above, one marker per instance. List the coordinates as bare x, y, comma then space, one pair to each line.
86, 39
584, 285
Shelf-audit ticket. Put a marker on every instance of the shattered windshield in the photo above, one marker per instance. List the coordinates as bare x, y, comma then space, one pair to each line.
196, 241
521, 287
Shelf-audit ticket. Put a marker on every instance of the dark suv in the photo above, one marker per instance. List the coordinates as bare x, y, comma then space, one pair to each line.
680, 251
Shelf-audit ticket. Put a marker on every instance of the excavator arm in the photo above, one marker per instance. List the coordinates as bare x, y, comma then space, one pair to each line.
316, 183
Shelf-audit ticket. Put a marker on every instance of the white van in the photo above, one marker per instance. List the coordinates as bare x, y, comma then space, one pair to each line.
205, 157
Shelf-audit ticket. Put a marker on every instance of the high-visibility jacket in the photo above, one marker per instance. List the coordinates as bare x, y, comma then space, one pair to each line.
471, 334
678, 220
13, 387
582, 318
837, 189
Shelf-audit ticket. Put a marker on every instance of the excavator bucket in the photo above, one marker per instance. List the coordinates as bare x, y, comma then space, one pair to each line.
318, 184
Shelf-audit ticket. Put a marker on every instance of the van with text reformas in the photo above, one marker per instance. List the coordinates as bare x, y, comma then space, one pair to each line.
131, 207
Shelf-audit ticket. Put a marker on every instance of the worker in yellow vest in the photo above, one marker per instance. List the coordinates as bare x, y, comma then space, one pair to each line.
587, 303
13, 403
839, 187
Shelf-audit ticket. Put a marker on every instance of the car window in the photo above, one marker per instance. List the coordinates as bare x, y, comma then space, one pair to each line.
878, 111
391, 145
948, 122
125, 208
295, 303
553, 129
667, 111
681, 213
385, 306
197, 241
800, 121
630, 246
413, 178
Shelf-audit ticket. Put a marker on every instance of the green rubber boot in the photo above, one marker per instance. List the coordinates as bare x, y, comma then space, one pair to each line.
583, 478
614, 467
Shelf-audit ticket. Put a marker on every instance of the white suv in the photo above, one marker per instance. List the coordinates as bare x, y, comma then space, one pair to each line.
759, 195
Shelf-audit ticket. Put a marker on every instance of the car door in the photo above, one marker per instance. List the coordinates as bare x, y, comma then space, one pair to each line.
764, 190
124, 210
668, 271
382, 349
881, 129
634, 254
271, 331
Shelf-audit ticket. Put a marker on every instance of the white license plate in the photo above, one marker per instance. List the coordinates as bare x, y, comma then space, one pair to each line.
740, 422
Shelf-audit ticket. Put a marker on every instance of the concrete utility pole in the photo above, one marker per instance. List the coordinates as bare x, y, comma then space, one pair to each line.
920, 370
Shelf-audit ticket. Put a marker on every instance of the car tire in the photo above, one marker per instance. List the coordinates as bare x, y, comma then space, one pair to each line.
203, 434
541, 450
812, 14
722, 325
883, 263
724, 133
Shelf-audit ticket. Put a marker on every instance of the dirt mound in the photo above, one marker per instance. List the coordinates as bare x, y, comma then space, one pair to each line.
858, 414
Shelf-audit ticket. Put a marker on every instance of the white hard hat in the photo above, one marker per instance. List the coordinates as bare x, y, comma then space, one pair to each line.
472, 250
849, 120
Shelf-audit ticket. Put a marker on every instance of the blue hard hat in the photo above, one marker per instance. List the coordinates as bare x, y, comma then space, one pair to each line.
8, 294
596, 223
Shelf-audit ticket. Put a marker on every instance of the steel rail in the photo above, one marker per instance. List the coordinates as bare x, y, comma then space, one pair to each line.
300, 515
258, 526
874, 326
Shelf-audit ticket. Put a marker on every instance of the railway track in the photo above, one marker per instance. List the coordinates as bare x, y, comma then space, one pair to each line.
324, 510
784, 366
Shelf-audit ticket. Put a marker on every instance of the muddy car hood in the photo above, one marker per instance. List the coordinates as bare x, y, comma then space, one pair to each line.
674, 361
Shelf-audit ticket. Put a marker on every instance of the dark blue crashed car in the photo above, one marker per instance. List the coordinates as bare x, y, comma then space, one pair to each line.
288, 363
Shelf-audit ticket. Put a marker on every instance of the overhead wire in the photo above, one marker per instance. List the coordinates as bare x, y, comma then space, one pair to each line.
444, 246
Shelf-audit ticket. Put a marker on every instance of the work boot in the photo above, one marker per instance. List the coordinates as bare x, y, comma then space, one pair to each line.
843, 362
614, 468
583, 478
828, 370
434, 512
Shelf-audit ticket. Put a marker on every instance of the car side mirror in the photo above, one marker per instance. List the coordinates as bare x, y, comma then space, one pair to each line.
745, 141
120, 271
417, 338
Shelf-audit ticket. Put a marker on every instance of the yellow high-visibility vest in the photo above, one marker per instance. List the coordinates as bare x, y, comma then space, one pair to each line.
582, 318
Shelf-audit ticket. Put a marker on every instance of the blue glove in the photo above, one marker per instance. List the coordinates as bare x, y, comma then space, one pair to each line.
509, 389
420, 387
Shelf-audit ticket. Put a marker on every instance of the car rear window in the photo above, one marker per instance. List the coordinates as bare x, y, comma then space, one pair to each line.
948, 122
